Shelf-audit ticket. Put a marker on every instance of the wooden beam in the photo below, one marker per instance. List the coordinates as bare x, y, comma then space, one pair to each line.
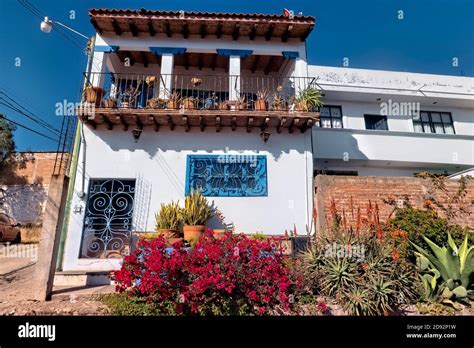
156, 125
200, 57
255, 63
286, 34
306, 33
122, 122
185, 31
214, 61
202, 30
265, 124
138, 122
145, 60
133, 28
130, 59
281, 124
96, 26
269, 65
107, 122
295, 123
253, 32
234, 122
269, 33
236, 32
186, 123
91, 123
168, 28
218, 124
249, 124
186, 61
116, 27
170, 123
202, 123
308, 124
151, 30
219, 30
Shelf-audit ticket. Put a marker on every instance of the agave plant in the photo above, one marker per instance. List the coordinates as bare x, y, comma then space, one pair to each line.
169, 217
197, 209
308, 99
454, 265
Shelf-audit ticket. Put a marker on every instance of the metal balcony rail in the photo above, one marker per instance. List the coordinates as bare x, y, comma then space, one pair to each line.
202, 92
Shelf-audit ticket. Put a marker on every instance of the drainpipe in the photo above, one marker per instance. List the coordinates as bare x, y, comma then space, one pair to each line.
78, 140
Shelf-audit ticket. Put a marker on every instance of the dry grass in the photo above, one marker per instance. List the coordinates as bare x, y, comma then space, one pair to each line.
30, 234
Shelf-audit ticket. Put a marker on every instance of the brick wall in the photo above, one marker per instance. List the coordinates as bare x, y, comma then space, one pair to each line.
24, 186
359, 190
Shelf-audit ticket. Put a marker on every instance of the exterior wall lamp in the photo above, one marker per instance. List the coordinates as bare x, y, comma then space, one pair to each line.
137, 132
265, 136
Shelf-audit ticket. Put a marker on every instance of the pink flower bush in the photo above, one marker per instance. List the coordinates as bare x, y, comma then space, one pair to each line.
232, 275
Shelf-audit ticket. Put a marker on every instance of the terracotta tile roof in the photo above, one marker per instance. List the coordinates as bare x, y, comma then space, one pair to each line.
200, 23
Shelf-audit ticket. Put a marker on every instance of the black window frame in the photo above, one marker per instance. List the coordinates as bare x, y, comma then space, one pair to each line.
379, 116
432, 124
330, 116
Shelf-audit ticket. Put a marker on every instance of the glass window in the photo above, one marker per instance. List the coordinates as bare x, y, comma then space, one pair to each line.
376, 122
331, 117
434, 122
227, 175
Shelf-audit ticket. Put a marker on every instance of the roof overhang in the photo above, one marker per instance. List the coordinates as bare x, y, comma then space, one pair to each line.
185, 24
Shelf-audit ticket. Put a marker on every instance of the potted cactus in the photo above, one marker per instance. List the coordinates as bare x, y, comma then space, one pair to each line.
194, 215
261, 104
168, 221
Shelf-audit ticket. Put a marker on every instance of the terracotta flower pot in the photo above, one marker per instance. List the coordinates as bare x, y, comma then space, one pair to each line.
189, 103
218, 233
192, 233
172, 104
169, 234
94, 95
261, 105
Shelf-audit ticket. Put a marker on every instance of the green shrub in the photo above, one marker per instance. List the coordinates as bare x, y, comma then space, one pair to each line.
418, 223
121, 304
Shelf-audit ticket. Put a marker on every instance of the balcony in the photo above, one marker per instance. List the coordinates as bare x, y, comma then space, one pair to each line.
199, 101
393, 146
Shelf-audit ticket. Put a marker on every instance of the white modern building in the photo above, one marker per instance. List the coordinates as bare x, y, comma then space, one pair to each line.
216, 100
393, 123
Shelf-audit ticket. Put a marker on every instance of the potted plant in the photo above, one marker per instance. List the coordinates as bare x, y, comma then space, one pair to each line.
110, 103
308, 99
156, 102
261, 104
129, 96
94, 95
279, 104
194, 215
189, 103
219, 233
173, 101
168, 221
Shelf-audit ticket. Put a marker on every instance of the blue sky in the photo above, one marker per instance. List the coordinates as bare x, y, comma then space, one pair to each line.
368, 32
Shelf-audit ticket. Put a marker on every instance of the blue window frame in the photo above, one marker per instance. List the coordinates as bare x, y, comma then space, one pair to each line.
227, 175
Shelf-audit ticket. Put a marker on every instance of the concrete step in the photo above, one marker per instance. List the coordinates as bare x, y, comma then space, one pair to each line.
80, 292
82, 278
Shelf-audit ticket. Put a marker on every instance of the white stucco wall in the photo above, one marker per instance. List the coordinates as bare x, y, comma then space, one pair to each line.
158, 162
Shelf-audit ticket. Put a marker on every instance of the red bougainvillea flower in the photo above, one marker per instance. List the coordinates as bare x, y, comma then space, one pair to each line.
234, 271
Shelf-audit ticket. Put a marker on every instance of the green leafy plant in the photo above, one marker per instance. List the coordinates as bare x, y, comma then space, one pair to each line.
308, 99
454, 265
169, 217
373, 282
197, 209
418, 223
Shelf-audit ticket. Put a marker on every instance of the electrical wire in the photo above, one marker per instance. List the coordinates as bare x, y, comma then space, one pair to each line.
28, 128
27, 113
